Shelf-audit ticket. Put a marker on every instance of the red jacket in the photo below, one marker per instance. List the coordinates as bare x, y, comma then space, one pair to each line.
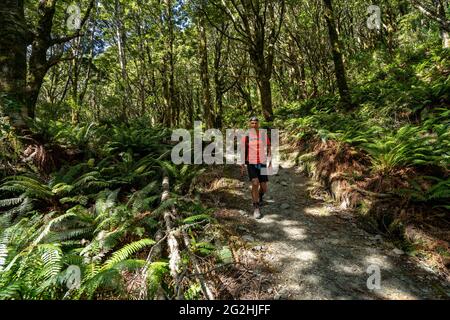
257, 146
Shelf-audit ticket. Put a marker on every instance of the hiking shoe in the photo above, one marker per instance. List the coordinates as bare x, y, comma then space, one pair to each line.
257, 214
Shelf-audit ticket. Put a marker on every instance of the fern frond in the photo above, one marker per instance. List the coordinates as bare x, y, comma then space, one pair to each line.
47, 228
127, 251
11, 202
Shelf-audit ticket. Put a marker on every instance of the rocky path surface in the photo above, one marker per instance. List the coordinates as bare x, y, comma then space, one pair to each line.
319, 251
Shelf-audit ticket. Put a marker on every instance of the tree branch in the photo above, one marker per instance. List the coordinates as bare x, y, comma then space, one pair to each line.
220, 30
78, 32
443, 22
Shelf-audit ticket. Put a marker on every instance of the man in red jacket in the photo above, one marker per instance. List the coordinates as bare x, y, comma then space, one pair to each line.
257, 156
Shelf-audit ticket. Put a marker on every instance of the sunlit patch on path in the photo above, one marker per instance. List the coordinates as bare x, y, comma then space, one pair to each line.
315, 253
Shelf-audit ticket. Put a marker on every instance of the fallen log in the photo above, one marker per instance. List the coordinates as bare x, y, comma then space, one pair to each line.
172, 242
155, 252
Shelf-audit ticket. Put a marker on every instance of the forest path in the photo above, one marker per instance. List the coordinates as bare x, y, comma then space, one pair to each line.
317, 250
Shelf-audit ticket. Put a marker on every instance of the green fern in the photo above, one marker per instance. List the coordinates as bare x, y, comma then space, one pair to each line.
155, 276
125, 252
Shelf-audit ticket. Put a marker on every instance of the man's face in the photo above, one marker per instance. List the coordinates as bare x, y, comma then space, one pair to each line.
254, 124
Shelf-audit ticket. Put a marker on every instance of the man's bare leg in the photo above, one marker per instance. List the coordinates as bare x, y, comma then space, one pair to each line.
255, 197
255, 190
263, 188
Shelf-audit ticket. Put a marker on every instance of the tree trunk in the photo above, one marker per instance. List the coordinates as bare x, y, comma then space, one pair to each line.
169, 65
39, 64
441, 7
166, 95
265, 92
219, 102
190, 106
439, 16
19, 88
246, 96
303, 84
336, 50
13, 66
173, 104
263, 69
219, 90
75, 81
120, 34
204, 74
259, 28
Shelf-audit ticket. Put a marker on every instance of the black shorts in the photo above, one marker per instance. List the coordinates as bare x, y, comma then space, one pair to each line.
254, 171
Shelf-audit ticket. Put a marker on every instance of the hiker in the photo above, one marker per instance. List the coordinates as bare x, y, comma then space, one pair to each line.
256, 146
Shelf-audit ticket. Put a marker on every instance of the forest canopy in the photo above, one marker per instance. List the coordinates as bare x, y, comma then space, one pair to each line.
91, 89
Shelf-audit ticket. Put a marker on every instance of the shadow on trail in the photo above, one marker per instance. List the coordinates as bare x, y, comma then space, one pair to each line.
317, 253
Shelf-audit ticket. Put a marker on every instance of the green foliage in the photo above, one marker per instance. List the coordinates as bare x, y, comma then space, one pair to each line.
197, 218
93, 215
203, 248
409, 146
225, 255
194, 292
156, 273
402, 120
436, 191
100, 208
127, 251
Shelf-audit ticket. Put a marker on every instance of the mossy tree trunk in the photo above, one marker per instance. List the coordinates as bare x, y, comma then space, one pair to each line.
14, 38
19, 86
336, 50
204, 73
